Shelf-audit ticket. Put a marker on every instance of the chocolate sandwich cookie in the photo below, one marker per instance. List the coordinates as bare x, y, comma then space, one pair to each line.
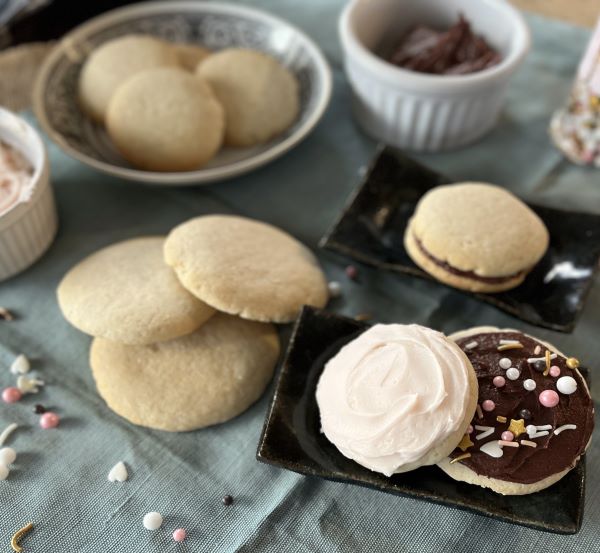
534, 418
475, 236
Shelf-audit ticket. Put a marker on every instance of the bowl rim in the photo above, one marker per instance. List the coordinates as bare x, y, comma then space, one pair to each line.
198, 176
40, 175
405, 78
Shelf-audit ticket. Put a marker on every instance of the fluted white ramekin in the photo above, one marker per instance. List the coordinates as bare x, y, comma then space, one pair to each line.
419, 111
29, 227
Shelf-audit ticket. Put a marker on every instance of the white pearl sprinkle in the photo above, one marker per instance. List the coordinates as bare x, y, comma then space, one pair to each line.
512, 373
505, 363
529, 385
7, 456
335, 289
566, 385
4, 472
153, 520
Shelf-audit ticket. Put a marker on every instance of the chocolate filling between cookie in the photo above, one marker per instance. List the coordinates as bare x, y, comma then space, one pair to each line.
465, 274
554, 452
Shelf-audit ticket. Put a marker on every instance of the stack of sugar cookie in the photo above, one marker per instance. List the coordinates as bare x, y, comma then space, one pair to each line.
170, 107
182, 325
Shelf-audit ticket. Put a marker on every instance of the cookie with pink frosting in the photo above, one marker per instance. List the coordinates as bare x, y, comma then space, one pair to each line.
397, 397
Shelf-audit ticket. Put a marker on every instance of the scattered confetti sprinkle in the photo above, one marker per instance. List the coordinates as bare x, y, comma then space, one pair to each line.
525, 414
507, 436
549, 398
529, 384
351, 272
49, 420
543, 359
510, 342
227, 500
118, 473
20, 365
465, 443
505, 347
7, 456
507, 443
11, 394
488, 405
479, 412
5, 314
7, 432
547, 358
460, 458
505, 363
537, 350
180, 534
499, 381
335, 289
363, 317
152, 520
28, 384
572, 363
566, 385
4, 472
39, 409
14, 542
492, 449
517, 427
565, 427
471, 345
528, 443
500, 418
512, 373
486, 431
554, 371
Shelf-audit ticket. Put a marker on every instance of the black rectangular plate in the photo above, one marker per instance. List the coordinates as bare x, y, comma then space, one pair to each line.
291, 439
371, 230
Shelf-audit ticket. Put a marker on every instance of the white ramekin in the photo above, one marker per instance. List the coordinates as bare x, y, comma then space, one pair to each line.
419, 111
27, 229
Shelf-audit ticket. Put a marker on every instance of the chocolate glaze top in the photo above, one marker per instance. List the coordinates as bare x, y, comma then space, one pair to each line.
554, 453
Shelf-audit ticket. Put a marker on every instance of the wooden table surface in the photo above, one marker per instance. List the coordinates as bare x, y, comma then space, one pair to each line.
580, 12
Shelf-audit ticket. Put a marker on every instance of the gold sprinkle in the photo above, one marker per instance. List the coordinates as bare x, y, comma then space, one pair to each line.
14, 542
363, 317
517, 427
5, 314
465, 443
504, 347
509, 444
479, 412
572, 362
500, 418
527, 442
460, 458
548, 363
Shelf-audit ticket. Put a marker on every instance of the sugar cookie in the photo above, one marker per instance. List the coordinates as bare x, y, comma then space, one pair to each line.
397, 397
204, 378
259, 94
532, 430
115, 61
165, 120
190, 55
475, 236
245, 267
125, 292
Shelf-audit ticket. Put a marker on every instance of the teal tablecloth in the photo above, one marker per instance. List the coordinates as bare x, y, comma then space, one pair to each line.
60, 481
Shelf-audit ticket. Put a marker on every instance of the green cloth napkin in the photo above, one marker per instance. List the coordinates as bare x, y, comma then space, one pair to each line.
60, 480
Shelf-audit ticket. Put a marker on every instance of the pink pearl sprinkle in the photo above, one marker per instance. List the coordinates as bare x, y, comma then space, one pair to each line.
11, 395
554, 371
180, 534
488, 405
470, 429
351, 272
499, 381
507, 436
49, 420
549, 398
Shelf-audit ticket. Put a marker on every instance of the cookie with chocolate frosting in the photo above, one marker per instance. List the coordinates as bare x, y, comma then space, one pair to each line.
397, 397
535, 415
475, 236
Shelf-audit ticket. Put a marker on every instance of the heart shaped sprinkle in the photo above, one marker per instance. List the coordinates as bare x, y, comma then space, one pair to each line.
118, 473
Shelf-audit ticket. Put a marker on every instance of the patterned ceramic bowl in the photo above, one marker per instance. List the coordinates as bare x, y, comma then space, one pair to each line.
214, 25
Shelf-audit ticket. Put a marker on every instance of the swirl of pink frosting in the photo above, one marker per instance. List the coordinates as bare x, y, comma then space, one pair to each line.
392, 395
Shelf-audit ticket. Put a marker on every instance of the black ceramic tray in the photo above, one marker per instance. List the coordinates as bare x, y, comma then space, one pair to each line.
371, 230
291, 439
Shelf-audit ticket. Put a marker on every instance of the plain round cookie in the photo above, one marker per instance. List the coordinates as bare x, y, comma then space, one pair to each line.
260, 96
245, 267
204, 378
190, 55
463, 473
165, 120
125, 292
475, 236
115, 61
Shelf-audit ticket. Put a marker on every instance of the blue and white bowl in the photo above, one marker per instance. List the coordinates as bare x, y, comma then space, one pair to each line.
214, 25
